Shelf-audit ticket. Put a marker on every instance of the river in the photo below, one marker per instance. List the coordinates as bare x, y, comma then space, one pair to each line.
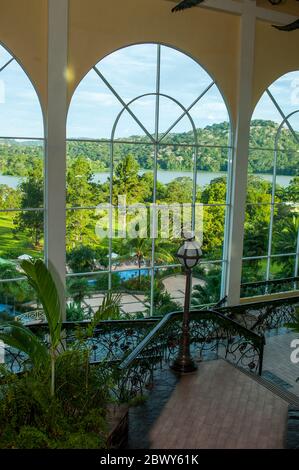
203, 177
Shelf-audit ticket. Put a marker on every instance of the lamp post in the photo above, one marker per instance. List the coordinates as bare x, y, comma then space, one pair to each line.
189, 255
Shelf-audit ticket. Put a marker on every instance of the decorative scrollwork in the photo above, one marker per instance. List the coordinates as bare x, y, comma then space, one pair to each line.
212, 335
263, 317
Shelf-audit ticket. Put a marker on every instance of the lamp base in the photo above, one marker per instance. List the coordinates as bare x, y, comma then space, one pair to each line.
184, 365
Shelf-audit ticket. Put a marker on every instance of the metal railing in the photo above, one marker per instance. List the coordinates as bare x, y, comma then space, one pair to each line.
262, 317
275, 286
110, 340
212, 335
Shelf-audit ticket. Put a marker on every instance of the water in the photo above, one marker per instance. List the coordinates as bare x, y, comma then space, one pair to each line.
11, 181
125, 275
6, 309
203, 177
164, 176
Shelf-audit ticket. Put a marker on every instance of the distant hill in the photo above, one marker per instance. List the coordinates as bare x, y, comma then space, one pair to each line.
175, 153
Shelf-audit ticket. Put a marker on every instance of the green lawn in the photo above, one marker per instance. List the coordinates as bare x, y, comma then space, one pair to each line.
12, 242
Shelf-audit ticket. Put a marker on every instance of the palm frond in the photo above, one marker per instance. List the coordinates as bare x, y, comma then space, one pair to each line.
40, 278
110, 308
18, 336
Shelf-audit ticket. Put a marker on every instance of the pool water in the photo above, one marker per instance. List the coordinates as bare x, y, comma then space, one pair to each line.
125, 275
7, 309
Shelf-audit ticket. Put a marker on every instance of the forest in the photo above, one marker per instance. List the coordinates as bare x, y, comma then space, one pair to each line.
22, 230
17, 158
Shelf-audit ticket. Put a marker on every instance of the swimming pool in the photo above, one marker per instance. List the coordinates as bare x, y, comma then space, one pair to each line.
7, 309
125, 275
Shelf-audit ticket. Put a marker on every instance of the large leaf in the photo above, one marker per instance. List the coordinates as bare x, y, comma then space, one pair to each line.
110, 308
40, 278
16, 335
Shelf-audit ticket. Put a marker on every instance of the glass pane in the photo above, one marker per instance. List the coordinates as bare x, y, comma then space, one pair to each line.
21, 235
135, 287
181, 76
21, 174
131, 252
93, 110
132, 70
86, 240
169, 131
169, 291
264, 125
166, 247
145, 110
128, 128
291, 191
5, 56
257, 227
18, 301
260, 168
133, 173
287, 173
206, 284
175, 161
285, 229
211, 119
213, 231
213, 162
254, 270
211, 187
282, 267
175, 174
253, 278
20, 111
85, 295
285, 92
88, 172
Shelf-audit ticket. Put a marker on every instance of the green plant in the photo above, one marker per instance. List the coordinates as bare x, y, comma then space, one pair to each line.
163, 302
78, 289
74, 312
74, 418
40, 278
18, 336
208, 290
108, 310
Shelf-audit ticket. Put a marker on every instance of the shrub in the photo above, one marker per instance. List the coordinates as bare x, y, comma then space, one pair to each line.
74, 418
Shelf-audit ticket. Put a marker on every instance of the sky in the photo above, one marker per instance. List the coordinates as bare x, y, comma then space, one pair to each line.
131, 72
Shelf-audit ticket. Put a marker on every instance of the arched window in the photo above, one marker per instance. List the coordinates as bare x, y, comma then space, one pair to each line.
147, 123
271, 243
21, 179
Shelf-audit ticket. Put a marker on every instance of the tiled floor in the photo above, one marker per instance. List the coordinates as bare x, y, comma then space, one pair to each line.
220, 407
277, 361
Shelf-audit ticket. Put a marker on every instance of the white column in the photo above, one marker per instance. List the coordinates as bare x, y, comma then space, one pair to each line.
56, 142
240, 164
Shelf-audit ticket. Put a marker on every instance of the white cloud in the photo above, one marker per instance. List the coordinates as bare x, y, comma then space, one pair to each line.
104, 99
212, 111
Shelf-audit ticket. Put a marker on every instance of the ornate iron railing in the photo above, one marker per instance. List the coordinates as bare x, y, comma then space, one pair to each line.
31, 317
261, 317
110, 341
252, 289
212, 335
